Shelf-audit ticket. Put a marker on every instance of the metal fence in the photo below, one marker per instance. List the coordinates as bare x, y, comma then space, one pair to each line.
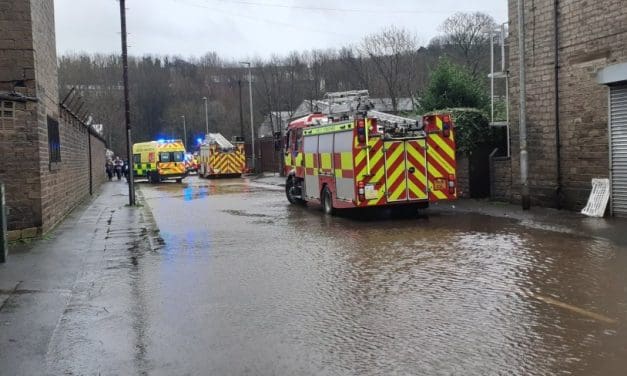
268, 155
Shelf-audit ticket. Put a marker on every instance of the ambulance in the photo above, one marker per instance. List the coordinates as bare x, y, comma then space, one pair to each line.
159, 160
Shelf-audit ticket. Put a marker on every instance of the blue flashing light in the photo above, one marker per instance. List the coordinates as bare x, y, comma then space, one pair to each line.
161, 140
199, 140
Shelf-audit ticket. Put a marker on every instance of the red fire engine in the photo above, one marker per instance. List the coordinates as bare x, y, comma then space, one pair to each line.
365, 158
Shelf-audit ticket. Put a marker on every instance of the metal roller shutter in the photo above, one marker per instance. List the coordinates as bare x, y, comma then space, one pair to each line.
618, 140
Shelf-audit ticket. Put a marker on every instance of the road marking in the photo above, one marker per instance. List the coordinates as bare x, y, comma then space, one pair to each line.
581, 311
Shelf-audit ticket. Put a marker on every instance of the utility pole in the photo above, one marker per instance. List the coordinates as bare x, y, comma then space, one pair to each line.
184, 133
524, 166
252, 125
241, 116
127, 108
206, 117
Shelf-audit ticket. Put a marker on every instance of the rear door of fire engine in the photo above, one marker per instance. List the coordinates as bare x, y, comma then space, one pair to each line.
405, 170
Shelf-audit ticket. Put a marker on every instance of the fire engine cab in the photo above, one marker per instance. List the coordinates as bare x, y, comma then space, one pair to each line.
356, 157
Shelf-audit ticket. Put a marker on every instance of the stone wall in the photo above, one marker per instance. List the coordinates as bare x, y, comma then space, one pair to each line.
463, 176
591, 35
500, 179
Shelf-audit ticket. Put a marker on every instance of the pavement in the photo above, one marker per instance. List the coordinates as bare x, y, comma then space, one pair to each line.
47, 285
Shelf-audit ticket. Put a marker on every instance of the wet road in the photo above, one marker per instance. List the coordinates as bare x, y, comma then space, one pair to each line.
245, 284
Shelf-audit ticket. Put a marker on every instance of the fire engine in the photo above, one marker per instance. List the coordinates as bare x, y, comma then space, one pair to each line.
358, 157
221, 158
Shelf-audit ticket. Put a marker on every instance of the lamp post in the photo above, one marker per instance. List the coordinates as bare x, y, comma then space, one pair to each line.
184, 133
206, 117
252, 127
127, 107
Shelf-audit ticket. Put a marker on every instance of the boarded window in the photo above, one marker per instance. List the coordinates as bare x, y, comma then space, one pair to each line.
54, 141
7, 110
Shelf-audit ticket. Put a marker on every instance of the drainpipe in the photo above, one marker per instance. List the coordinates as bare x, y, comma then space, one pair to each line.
558, 146
524, 192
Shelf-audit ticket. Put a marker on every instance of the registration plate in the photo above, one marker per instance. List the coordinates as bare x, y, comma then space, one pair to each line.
439, 184
370, 192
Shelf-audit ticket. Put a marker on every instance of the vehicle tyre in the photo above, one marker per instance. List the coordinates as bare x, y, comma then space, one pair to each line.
179, 180
154, 177
289, 184
327, 201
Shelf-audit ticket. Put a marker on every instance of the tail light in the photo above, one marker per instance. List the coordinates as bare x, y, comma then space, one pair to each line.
446, 130
446, 126
361, 131
451, 184
361, 191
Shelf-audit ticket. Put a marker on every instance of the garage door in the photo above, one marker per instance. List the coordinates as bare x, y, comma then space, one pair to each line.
618, 139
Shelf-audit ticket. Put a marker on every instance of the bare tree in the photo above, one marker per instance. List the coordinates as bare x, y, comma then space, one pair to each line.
389, 51
468, 35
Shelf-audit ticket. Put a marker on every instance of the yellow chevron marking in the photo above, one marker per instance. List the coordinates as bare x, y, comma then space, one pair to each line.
390, 161
443, 146
435, 155
433, 172
439, 195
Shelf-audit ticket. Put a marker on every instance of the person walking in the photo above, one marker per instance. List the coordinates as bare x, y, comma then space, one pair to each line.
109, 168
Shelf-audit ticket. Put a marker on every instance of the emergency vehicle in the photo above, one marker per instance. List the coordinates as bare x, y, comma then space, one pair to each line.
220, 158
159, 160
191, 163
363, 158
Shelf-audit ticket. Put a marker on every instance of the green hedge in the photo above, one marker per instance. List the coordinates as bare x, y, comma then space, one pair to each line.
472, 128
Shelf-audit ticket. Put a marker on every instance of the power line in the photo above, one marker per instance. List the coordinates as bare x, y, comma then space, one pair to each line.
343, 10
264, 20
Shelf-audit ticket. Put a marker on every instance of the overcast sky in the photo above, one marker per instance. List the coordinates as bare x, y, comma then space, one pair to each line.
240, 29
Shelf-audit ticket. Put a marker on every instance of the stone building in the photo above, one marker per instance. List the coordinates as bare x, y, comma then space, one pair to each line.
576, 74
51, 160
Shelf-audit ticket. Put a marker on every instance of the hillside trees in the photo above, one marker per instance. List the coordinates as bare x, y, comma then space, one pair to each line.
163, 88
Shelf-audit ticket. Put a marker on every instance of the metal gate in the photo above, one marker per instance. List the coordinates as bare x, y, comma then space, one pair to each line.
618, 149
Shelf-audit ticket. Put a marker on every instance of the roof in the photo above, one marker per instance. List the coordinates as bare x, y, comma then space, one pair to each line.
217, 138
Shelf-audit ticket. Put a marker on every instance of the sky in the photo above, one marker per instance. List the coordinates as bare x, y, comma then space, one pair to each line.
246, 29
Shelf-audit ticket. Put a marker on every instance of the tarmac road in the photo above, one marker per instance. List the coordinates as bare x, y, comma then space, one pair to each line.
247, 284
239, 282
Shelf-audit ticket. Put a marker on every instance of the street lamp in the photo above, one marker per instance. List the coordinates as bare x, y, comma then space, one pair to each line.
250, 98
184, 132
206, 116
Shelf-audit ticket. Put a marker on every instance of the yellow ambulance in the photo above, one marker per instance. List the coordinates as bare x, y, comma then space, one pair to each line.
159, 160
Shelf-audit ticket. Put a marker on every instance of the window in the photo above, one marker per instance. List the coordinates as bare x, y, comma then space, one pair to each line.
164, 157
179, 156
137, 158
54, 142
7, 109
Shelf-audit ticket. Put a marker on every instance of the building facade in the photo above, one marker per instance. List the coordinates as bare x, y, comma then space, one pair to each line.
569, 46
49, 154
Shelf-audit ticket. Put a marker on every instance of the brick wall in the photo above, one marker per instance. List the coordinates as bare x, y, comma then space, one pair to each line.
98, 159
591, 36
39, 194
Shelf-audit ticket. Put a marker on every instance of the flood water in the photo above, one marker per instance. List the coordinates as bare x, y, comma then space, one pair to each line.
244, 283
